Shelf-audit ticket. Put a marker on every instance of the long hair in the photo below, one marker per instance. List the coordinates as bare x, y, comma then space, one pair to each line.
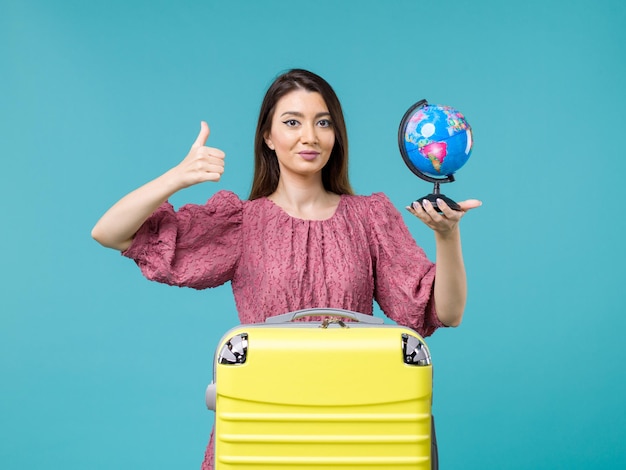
266, 170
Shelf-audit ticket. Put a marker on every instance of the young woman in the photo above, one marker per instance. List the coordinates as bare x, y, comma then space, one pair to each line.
301, 239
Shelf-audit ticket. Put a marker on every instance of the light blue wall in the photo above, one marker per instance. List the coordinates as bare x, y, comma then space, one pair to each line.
100, 369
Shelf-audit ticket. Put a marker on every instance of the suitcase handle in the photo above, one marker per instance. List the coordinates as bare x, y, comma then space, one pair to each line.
334, 312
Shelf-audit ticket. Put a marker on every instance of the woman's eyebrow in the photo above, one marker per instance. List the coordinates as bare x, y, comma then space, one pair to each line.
299, 114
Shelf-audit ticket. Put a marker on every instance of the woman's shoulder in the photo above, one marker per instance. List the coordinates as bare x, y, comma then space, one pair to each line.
373, 202
226, 197
223, 205
377, 211
224, 201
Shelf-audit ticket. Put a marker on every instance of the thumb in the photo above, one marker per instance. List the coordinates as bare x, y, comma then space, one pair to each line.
470, 204
203, 135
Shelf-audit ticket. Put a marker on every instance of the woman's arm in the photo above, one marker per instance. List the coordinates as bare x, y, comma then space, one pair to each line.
117, 227
450, 279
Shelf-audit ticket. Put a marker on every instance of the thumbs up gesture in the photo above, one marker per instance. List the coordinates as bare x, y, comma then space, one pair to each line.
202, 163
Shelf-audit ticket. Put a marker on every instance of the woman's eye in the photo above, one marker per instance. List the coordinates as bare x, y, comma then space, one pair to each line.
324, 123
291, 122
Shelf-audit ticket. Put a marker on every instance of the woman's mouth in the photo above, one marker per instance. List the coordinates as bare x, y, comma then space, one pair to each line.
308, 155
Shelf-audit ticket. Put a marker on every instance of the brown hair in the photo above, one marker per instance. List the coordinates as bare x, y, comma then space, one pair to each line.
266, 169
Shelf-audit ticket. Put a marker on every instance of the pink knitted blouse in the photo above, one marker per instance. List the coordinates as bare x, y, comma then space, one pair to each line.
277, 263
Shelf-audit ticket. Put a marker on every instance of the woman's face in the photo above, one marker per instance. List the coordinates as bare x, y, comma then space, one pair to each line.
301, 133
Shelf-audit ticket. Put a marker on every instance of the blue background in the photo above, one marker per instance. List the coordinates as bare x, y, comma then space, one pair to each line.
102, 369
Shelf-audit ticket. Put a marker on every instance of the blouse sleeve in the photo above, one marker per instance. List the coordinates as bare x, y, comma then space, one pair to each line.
197, 246
403, 276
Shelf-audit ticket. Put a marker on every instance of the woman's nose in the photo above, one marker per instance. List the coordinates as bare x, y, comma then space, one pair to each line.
309, 134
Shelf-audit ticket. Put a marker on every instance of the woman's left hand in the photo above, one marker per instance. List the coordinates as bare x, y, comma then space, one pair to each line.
451, 285
445, 222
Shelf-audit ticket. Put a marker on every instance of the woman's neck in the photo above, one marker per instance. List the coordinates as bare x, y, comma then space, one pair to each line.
305, 201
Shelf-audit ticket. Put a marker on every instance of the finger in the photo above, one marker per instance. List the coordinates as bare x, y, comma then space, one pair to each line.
412, 210
443, 206
417, 206
470, 204
429, 208
207, 164
203, 135
426, 212
445, 209
417, 209
215, 167
208, 172
215, 152
214, 172
422, 207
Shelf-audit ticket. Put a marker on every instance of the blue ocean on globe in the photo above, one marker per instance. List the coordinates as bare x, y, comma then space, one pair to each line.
438, 140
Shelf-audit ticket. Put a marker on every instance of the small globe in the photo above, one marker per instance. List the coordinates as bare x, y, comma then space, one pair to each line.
436, 140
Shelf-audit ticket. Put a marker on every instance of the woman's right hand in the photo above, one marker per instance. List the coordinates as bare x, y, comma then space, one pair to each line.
202, 163
117, 227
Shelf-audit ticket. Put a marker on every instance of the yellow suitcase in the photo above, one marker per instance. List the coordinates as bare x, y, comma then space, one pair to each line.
346, 392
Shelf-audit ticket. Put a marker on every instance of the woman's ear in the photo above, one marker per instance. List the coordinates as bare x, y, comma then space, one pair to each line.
268, 142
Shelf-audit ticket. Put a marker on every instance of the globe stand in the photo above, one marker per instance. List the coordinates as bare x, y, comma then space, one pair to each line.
436, 194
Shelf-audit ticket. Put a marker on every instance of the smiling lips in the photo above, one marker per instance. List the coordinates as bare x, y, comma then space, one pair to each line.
308, 155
